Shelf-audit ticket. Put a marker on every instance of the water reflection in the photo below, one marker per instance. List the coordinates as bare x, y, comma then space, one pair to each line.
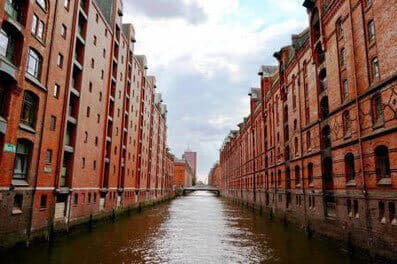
199, 228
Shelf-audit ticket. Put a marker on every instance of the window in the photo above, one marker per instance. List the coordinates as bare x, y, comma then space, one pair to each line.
345, 90
100, 96
346, 123
371, 31
56, 90
34, 64
296, 146
35, 21
66, 4
297, 175
375, 68
3, 102
85, 137
279, 178
382, 162
310, 173
377, 110
349, 167
90, 87
96, 18
355, 209
48, 156
53, 123
94, 165
308, 139
60, 60
349, 208
343, 58
76, 199
95, 40
64, 31
339, 29
92, 63
22, 159
42, 4
29, 109
392, 213
43, 201
381, 208
83, 163
88, 111
18, 201
96, 141
37, 29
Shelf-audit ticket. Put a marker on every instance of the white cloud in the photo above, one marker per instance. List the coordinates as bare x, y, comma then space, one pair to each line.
205, 69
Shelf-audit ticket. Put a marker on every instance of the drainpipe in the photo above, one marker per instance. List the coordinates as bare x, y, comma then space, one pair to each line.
301, 152
364, 188
30, 224
254, 162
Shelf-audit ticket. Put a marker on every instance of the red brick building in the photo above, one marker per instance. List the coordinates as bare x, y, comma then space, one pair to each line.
191, 158
319, 147
183, 174
82, 130
214, 177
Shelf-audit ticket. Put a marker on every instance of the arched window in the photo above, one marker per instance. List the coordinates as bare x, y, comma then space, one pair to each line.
29, 109
34, 64
349, 167
296, 147
310, 173
22, 159
297, 175
382, 162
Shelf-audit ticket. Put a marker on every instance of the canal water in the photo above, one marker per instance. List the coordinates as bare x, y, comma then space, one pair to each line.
199, 228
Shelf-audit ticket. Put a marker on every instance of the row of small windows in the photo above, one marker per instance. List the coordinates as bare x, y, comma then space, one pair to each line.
382, 166
91, 197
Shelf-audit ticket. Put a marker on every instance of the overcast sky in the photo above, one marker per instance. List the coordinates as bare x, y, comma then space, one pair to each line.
205, 55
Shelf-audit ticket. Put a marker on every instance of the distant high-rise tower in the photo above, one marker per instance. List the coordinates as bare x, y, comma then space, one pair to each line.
191, 158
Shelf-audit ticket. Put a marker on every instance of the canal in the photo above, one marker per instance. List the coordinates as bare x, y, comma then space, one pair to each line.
199, 228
